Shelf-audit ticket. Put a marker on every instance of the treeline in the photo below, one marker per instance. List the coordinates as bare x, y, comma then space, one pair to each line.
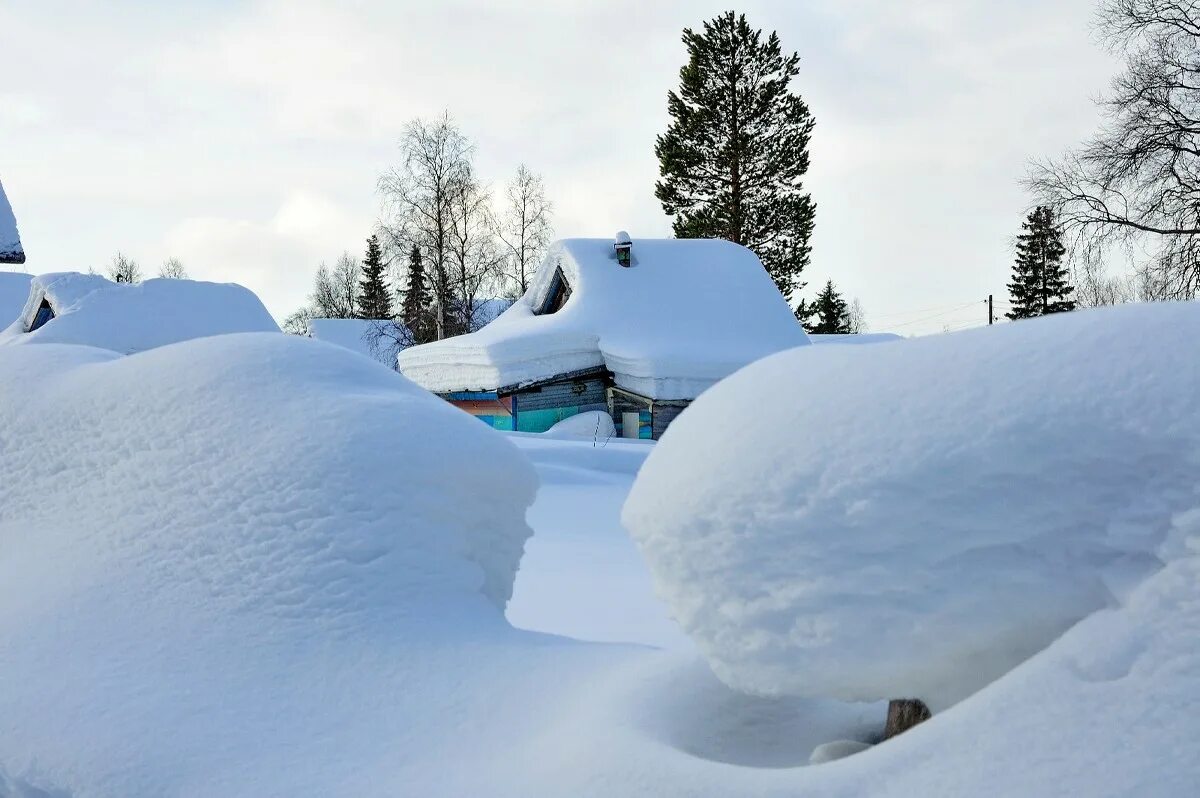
446, 252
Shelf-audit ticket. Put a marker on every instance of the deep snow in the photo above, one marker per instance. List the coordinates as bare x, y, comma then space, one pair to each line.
932, 512
358, 335
14, 290
92, 310
258, 565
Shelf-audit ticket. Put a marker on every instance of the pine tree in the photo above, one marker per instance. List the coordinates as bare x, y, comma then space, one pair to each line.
831, 311
1039, 283
736, 149
416, 307
374, 300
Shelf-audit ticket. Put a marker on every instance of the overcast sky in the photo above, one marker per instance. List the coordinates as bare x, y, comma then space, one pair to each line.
245, 137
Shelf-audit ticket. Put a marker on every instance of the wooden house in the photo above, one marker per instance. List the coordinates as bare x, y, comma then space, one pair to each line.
637, 329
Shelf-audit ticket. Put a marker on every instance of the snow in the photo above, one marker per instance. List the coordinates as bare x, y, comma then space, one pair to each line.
916, 520
685, 314
14, 290
593, 425
89, 309
853, 338
357, 335
257, 564
11, 250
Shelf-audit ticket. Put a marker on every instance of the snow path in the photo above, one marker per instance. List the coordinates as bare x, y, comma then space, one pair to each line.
582, 576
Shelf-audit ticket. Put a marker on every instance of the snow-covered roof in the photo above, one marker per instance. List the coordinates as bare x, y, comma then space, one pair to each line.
14, 290
89, 309
686, 313
373, 338
11, 250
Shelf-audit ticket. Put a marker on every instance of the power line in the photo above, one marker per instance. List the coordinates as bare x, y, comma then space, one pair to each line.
937, 315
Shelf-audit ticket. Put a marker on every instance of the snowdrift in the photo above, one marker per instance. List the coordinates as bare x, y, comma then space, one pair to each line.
687, 313
89, 309
929, 514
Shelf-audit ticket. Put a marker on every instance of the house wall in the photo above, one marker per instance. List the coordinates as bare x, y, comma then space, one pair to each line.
664, 414
539, 409
493, 410
620, 403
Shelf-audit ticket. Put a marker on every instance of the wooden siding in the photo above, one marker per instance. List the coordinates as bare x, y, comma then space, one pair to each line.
664, 413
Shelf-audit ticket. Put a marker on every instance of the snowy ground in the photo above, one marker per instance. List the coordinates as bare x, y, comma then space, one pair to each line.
581, 575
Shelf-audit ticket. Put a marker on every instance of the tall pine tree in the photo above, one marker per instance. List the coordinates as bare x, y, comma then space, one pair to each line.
832, 312
374, 300
1040, 284
417, 305
734, 155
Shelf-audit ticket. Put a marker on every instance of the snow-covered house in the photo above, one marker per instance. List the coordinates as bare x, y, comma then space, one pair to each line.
11, 250
639, 341
73, 308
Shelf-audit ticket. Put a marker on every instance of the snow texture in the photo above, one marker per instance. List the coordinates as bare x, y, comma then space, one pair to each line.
853, 338
92, 310
11, 250
357, 335
14, 290
684, 315
915, 520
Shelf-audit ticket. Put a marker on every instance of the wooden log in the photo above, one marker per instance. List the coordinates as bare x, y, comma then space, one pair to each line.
903, 714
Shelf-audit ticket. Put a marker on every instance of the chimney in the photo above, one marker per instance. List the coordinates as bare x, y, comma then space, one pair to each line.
624, 247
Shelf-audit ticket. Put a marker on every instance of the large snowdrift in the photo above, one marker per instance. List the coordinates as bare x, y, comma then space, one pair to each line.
89, 309
14, 290
203, 545
11, 250
925, 516
685, 314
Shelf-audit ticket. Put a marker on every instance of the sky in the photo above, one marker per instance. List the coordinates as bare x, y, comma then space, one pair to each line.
246, 137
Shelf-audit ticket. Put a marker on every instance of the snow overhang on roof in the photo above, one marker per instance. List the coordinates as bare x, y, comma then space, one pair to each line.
685, 314
11, 250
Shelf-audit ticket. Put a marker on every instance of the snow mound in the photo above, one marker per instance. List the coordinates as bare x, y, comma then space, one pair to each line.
853, 338
913, 521
373, 338
685, 314
217, 551
89, 309
14, 290
11, 250
593, 424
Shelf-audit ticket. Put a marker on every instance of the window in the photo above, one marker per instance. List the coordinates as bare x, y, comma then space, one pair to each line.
557, 296
43, 315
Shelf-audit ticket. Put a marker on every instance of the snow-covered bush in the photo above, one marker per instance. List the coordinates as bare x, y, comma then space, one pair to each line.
913, 521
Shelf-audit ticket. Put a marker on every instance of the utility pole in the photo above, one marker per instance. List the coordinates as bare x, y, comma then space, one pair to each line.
990, 316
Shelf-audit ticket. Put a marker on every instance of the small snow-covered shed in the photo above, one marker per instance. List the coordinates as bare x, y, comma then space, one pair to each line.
638, 341
73, 308
379, 339
11, 250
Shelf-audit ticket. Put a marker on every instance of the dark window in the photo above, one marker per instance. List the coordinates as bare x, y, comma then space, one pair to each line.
557, 296
44, 314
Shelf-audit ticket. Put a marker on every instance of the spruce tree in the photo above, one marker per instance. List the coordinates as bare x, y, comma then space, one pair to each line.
831, 311
1040, 284
374, 300
736, 150
416, 306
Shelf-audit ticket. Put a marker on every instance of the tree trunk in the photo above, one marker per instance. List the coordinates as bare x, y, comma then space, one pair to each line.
903, 714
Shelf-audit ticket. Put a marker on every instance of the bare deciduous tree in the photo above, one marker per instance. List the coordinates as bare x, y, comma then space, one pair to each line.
172, 268
335, 290
523, 227
124, 270
419, 199
475, 261
1134, 188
